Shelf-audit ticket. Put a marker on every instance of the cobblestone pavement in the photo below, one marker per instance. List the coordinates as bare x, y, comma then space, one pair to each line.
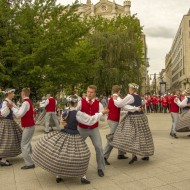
168, 169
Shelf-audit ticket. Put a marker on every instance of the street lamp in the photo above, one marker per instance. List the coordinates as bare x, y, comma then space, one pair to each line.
154, 80
162, 86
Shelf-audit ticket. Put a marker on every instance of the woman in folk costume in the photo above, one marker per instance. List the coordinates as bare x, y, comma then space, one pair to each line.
40, 120
65, 153
10, 131
183, 123
133, 134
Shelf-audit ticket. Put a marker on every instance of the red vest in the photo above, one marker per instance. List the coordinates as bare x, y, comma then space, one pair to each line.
114, 113
51, 107
90, 110
147, 101
170, 99
174, 107
28, 119
164, 101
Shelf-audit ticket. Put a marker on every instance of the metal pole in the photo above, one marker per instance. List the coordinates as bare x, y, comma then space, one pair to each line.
155, 81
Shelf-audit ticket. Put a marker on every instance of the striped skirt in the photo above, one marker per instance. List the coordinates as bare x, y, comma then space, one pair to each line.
133, 135
41, 119
62, 154
10, 138
183, 123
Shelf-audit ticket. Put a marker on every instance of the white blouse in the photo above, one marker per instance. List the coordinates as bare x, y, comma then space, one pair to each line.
5, 110
85, 118
183, 103
20, 112
124, 103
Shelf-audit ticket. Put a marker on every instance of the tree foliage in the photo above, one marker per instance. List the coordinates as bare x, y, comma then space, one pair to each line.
48, 47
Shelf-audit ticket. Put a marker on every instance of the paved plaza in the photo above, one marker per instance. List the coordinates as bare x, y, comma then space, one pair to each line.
168, 169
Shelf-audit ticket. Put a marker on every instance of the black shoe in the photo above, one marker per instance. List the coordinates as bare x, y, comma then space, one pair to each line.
46, 132
5, 163
171, 134
100, 173
133, 160
28, 167
106, 161
84, 181
6, 160
121, 157
58, 180
175, 136
145, 158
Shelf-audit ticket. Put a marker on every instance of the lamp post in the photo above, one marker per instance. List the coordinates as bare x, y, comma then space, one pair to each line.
162, 86
154, 80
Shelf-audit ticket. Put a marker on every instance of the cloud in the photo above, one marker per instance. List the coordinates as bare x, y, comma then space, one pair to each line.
159, 32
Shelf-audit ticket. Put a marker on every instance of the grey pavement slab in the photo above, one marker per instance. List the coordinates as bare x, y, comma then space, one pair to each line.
168, 169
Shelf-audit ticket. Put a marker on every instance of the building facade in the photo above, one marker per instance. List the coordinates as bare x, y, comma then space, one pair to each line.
105, 8
177, 61
109, 10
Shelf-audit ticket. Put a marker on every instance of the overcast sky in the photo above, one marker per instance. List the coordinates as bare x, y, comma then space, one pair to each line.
161, 19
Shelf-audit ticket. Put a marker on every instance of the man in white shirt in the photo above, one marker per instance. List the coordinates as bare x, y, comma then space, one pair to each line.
50, 106
91, 106
25, 112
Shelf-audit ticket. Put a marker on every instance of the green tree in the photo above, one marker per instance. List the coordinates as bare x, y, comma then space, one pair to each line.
119, 49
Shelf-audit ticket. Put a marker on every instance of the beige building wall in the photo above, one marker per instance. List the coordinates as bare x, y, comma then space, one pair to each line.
178, 59
167, 76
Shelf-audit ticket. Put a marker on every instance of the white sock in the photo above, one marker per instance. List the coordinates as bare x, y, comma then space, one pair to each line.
4, 160
84, 177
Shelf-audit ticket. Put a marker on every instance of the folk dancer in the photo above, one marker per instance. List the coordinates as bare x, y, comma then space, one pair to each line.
50, 106
65, 153
183, 124
133, 134
10, 131
113, 121
91, 106
174, 109
25, 112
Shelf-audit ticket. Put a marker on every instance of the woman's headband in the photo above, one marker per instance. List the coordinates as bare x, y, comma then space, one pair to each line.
73, 99
7, 91
135, 86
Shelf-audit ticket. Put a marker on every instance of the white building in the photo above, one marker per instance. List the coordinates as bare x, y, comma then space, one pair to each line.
177, 62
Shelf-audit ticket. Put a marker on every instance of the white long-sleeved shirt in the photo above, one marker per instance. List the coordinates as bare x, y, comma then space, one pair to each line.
20, 112
85, 118
42, 103
5, 110
183, 103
